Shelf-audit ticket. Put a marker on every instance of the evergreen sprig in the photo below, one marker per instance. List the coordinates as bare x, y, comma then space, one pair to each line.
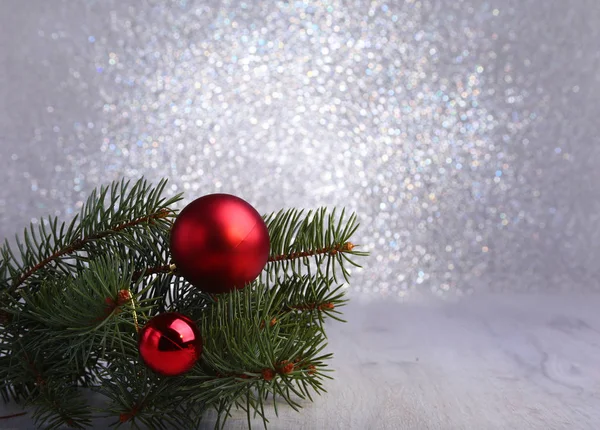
137, 397
60, 404
318, 239
256, 349
117, 212
73, 297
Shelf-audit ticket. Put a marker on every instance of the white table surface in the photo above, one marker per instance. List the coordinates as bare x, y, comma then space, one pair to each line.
489, 362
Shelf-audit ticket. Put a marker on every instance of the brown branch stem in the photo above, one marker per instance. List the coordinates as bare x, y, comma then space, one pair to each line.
326, 306
166, 268
340, 247
284, 367
5, 417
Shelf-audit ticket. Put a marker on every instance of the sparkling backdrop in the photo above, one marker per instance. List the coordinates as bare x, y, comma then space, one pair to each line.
464, 132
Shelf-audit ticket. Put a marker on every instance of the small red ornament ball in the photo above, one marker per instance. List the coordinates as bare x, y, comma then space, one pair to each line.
170, 344
219, 242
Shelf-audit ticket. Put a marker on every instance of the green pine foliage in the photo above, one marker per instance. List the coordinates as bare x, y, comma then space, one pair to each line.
73, 296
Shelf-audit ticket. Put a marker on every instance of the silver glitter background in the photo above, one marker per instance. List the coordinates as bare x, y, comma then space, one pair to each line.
465, 133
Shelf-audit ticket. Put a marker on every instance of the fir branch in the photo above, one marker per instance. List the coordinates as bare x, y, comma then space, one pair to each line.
104, 214
75, 323
81, 302
48, 386
79, 321
138, 396
242, 356
59, 404
339, 247
310, 294
19, 414
316, 239
78, 244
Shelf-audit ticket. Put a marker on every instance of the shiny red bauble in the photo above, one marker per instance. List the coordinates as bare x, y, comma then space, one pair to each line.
219, 242
170, 344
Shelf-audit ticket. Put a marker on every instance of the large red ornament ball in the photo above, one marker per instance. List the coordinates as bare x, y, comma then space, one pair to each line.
170, 344
219, 242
